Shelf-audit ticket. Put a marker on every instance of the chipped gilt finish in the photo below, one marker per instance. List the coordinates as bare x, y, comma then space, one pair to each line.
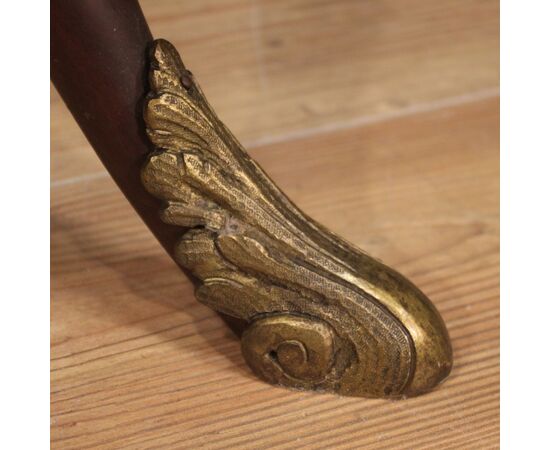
322, 315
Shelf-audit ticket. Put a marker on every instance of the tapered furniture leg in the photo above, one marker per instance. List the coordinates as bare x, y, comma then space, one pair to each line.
317, 312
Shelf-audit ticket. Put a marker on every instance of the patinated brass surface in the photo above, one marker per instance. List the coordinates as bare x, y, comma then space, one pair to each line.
322, 314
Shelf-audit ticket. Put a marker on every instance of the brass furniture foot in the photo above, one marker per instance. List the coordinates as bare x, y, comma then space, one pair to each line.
322, 315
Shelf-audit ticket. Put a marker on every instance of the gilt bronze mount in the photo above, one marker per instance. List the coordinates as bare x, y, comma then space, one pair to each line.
322, 315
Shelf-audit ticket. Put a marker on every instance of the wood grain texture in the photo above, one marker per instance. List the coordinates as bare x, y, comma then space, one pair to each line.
273, 69
408, 170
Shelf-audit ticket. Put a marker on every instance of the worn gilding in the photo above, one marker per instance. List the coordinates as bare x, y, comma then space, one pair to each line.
322, 314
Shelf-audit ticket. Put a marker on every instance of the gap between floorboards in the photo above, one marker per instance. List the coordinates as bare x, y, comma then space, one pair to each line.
357, 122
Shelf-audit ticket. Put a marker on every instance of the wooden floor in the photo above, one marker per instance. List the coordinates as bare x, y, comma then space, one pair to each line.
381, 120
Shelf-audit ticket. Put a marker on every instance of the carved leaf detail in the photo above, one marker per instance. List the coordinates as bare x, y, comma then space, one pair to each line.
323, 314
